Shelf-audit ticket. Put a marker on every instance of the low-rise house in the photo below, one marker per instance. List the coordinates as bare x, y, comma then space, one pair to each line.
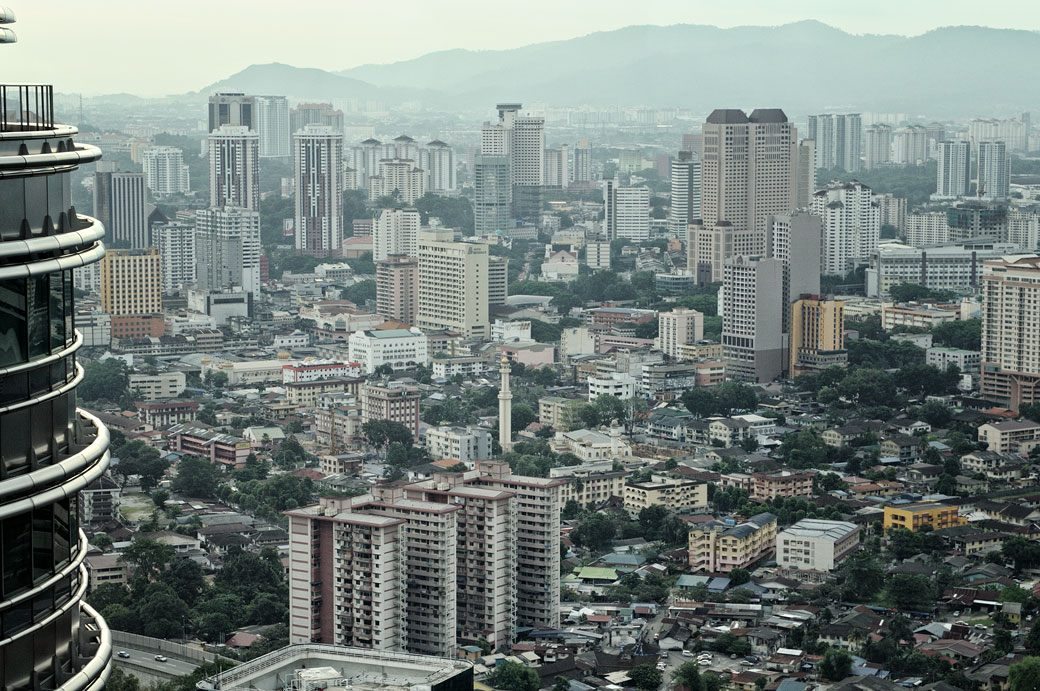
1010, 436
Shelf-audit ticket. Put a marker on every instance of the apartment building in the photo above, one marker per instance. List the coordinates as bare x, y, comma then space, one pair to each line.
465, 444
308, 394
723, 545
560, 413
453, 285
967, 361
397, 288
154, 387
913, 517
589, 485
1011, 330
618, 384
817, 335
389, 400
685, 496
228, 450
1010, 436
782, 484
164, 413
131, 282
678, 328
816, 545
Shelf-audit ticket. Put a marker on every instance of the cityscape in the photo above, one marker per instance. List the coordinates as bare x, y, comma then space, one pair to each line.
629, 356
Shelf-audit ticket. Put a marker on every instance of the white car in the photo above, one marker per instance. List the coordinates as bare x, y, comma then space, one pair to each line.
687, 653
160, 658
703, 663
662, 666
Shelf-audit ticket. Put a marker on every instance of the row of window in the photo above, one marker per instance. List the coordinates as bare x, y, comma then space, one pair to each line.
35, 317
35, 545
35, 435
32, 662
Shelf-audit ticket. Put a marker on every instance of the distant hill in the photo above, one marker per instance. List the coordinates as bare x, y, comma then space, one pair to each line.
303, 83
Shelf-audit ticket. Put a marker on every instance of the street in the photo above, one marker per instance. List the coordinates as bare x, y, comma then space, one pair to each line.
140, 658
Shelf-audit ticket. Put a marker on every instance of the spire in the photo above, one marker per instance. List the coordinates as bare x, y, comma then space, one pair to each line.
505, 408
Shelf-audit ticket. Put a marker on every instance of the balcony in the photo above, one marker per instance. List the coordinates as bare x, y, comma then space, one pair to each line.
26, 107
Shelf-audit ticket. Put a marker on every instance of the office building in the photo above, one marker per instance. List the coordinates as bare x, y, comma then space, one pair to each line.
558, 167
131, 282
1011, 330
994, 170
708, 248
437, 161
878, 151
119, 204
397, 178
817, 335
498, 280
806, 172
892, 210
453, 285
227, 249
953, 176
234, 167
914, 517
754, 306
272, 125
52, 450
626, 211
318, 167
851, 225
678, 328
398, 348
493, 195
396, 232
597, 254
816, 545
956, 267
165, 171
176, 245
582, 168
397, 287
721, 546
685, 204
838, 139
797, 240
910, 146
231, 108
522, 140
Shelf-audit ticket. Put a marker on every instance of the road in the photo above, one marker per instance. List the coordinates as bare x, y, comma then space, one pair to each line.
720, 663
140, 658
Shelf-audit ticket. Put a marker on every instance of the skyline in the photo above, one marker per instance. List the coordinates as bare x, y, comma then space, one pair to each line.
122, 27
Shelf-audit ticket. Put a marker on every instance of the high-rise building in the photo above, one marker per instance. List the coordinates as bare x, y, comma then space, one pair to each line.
797, 240
1023, 229
227, 249
498, 280
851, 224
272, 124
626, 211
685, 202
975, 219
910, 146
176, 245
234, 167
493, 195
806, 182
437, 161
51, 450
391, 400
396, 231
994, 170
956, 267
707, 249
165, 171
231, 108
399, 178
953, 176
693, 143
754, 306
582, 168
315, 114
838, 140
119, 204
405, 147
927, 228
453, 285
1011, 330
397, 287
522, 140
1010, 131
558, 167
879, 146
893, 211
318, 166
131, 282
678, 328
817, 335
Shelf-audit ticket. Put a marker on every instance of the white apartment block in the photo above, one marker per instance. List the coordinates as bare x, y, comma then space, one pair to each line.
176, 243
318, 167
453, 285
943, 267
685, 202
1023, 229
1012, 131
558, 167
816, 545
626, 211
910, 146
399, 348
582, 169
618, 384
272, 125
851, 225
1011, 330
994, 170
227, 249
678, 328
437, 161
464, 444
838, 140
396, 231
967, 361
597, 255
927, 229
234, 167
509, 332
397, 177
165, 171
953, 175
157, 387
893, 210
878, 150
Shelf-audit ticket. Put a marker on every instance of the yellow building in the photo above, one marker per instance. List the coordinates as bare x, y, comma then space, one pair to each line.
593, 487
677, 495
131, 282
700, 349
562, 414
914, 516
817, 334
720, 547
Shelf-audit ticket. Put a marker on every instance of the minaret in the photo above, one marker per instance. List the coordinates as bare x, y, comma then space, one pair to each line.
505, 409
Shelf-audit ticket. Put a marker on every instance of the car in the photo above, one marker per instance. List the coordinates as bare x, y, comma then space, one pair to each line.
664, 654
123, 654
981, 627
751, 658
160, 658
703, 663
687, 653
733, 656
662, 666
745, 663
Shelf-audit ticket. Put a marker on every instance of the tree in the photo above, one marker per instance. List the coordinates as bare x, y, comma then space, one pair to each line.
687, 674
105, 380
1032, 639
186, 579
217, 379
196, 477
594, 533
966, 335
1023, 552
159, 497
512, 676
161, 612
119, 680
1025, 675
561, 684
522, 416
149, 557
935, 414
739, 576
836, 664
910, 592
749, 444
645, 677
141, 459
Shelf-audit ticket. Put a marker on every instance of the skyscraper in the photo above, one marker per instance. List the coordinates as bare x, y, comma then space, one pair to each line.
851, 225
227, 248
396, 231
1011, 330
234, 167
582, 167
397, 177
686, 192
626, 211
437, 161
806, 183
231, 108
131, 282
838, 140
678, 328
522, 140
165, 171
953, 175
318, 166
315, 114
119, 204
397, 287
493, 194
910, 145
272, 125
994, 171
754, 293
879, 146
176, 245
558, 167
453, 284
51, 450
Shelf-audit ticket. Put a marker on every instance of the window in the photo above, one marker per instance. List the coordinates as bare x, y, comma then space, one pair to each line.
37, 307
16, 555
13, 347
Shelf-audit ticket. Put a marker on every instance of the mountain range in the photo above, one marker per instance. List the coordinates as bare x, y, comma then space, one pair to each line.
803, 66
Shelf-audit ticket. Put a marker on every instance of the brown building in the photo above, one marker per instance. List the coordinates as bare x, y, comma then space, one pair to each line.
397, 287
392, 401
782, 484
138, 326
131, 282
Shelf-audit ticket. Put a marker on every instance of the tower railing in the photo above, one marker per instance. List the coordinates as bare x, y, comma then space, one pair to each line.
26, 107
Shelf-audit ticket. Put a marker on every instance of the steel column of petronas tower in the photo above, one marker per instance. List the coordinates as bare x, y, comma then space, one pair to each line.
49, 449
505, 408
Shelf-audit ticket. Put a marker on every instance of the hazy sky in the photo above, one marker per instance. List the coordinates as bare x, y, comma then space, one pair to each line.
157, 47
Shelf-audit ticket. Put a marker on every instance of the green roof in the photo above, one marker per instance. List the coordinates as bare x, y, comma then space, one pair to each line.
596, 573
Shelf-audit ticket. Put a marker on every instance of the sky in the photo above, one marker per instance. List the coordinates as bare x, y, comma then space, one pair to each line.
153, 47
